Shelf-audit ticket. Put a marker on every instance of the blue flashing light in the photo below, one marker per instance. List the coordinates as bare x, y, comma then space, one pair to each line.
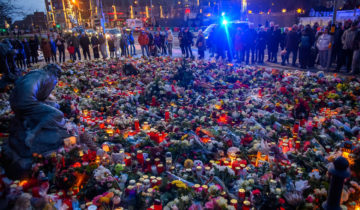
225, 22
223, 14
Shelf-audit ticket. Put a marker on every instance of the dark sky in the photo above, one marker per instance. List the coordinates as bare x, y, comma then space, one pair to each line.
28, 7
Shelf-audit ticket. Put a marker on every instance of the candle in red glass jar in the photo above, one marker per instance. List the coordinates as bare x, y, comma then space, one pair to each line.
234, 203
159, 180
246, 205
241, 193
137, 125
140, 157
296, 127
160, 168
297, 145
128, 161
167, 115
157, 161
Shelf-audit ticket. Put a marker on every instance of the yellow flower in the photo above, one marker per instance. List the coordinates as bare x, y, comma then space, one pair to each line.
179, 184
188, 163
105, 200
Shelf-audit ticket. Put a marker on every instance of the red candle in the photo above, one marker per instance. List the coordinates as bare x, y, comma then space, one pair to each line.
157, 205
234, 203
157, 161
297, 145
167, 115
140, 157
241, 193
137, 125
147, 165
296, 127
246, 205
160, 168
128, 161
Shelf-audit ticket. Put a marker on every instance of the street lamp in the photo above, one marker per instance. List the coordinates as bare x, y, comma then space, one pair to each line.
283, 10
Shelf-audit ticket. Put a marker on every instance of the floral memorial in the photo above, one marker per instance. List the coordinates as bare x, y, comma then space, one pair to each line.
180, 134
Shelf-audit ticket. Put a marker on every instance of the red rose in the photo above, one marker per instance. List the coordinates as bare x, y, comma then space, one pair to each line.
281, 201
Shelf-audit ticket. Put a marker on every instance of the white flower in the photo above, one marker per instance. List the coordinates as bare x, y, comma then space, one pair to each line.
185, 198
301, 185
315, 174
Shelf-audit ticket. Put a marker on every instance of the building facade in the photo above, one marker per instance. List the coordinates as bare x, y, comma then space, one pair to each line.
33, 22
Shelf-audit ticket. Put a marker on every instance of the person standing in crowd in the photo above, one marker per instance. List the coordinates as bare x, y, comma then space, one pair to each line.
169, 41
250, 42
282, 46
269, 33
348, 40
292, 45
117, 46
124, 42
95, 46
102, 42
211, 42
143, 40
53, 49
239, 45
337, 47
307, 40
33, 44
132, 43
182, 41
157, 42
188, 43
76, 42
275, 41
163, 42
261, 45
151, 41
356, 57
27, 52
201, 45
20, 56
61, 47
111, 44
46, 49
85, 45
71, 50
324, 45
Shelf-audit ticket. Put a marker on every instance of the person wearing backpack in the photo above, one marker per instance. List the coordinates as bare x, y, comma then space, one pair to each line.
306, 41
61, 47
323, 44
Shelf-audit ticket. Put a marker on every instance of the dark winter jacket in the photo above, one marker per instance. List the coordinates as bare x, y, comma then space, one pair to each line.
292, 40
84, 42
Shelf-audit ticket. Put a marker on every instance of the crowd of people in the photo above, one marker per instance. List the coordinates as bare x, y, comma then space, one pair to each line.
310, 46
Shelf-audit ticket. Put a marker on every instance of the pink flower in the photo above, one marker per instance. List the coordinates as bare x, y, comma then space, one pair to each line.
256, 192
309, 199
195, 207
281, 201
210, 205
